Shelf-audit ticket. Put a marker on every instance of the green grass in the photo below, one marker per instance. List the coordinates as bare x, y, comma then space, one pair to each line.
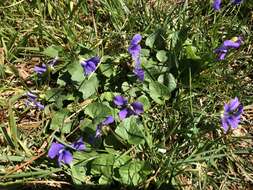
185, 147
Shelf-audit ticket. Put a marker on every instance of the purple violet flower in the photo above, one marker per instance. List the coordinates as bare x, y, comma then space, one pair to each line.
79, 145
98, 132
232, 114
120, 100
136, 108
222, 51
31, 101
90, 65
217, 4
40, 69
135, 49
139, 72
236, 2
43, 68
108, 120
59, 150
31, 96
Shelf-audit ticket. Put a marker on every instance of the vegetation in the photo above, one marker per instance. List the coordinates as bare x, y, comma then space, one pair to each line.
126, 94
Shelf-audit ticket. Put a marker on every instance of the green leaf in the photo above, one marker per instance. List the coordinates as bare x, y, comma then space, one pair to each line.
58, 121
122, 160
84, 157
134, 172
50, 10
159, 92
150, 40
86, 124
52, 51
89, 87
191, 52
8, 158
97, 110
106, 69
172, 83
156, 40
145, 52
103, 180
78, 174
103, 165
131, 131
162, 56
76, 71
108, 96
145, 101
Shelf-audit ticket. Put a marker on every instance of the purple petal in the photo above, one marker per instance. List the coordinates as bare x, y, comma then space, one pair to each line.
95, 60
232, 114
136, 39
31, 95
137, 107
120, 100
98, 132
236, 1
221, 51
79, 145
40, 69
226, 108
67, 157
55, 149
224, 124
240, 110
233, 121
231, 44
54, 61
90, 65
60, 158
108, 120
135, 49
222, 56
124, 113
217, 4
39, 105
139, 72
233, 104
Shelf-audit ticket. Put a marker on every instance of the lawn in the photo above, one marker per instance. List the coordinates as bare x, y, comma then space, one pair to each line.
126, 94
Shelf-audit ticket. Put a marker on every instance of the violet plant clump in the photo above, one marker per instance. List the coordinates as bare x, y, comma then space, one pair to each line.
232, 114
126, 110
233, 43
